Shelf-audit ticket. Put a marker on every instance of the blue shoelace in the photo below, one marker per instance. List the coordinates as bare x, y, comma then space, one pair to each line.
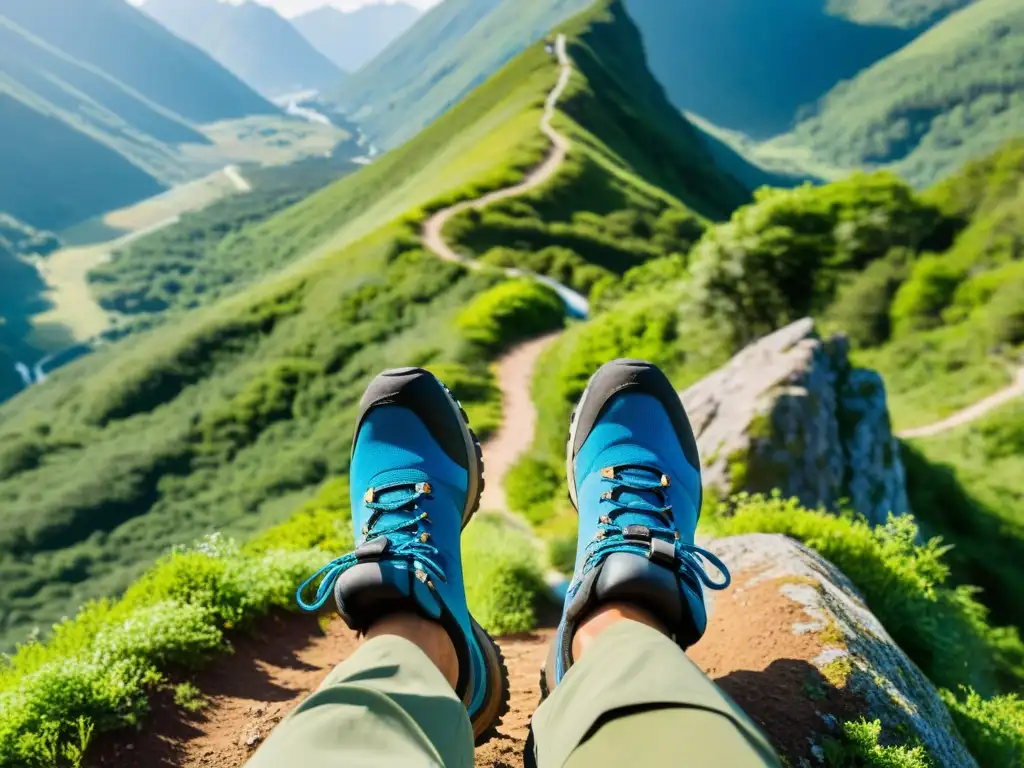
643, 483
406, 541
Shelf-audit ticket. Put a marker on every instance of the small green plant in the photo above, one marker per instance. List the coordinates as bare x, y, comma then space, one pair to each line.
189, 697
858, 747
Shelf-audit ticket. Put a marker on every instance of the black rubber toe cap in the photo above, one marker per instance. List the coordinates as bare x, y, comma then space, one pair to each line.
638, 376
420, 392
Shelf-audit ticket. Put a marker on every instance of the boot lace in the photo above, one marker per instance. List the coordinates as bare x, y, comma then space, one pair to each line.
646, 489
406, 539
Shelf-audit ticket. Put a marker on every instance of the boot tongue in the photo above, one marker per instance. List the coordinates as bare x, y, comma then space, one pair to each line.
642, 500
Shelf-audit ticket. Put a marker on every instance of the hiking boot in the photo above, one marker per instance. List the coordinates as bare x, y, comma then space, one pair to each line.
416, 479
634, 478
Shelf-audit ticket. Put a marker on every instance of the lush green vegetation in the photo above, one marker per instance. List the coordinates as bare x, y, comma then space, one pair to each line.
783, 257
614, 205
953, 94
509, 312
858, 745
201, 258
216, 423
96, 672
955, 318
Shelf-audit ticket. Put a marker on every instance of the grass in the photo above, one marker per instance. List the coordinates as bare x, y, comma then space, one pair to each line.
942, 627
510, 312
859, 745
188, 264
99, 668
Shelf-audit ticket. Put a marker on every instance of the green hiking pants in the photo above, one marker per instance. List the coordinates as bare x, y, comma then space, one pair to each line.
633, 699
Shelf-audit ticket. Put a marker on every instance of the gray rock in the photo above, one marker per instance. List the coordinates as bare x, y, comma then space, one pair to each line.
791, 413
833, 631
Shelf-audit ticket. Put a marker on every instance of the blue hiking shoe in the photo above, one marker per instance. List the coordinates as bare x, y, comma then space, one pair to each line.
634, 478
416, 479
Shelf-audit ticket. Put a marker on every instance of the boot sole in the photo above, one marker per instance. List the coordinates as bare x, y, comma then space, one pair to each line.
499, 695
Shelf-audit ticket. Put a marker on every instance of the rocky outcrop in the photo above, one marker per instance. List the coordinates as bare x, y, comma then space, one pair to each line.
796, 647
791, 413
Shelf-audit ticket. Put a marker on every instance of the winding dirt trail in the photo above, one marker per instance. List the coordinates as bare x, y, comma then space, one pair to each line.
971, 413
433, 237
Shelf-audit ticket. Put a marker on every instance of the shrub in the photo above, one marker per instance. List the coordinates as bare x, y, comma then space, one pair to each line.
503, 576
510, 312
859, 748
1005, 314
992, 729
919, 303
781, 258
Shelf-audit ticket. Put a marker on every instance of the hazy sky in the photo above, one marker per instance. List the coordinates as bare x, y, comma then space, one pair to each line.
295, 7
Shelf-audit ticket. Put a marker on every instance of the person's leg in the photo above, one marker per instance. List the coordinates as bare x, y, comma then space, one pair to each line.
633, 697
428, 681
623, 689
391, 703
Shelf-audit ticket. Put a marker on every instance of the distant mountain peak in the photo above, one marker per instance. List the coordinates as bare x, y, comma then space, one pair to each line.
352, 39
252, 40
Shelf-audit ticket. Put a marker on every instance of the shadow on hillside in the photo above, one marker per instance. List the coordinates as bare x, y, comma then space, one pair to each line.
987, 552
787, 700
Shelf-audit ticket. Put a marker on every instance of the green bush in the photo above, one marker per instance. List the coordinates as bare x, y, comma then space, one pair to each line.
1005, 314
503, 576
782, 257
510, 312
992, 729
920, 301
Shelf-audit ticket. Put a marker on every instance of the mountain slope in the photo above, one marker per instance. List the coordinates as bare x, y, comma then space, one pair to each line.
54, 175
452, 49
123, 42
251, 40
749, 65
352, 39
954, 93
